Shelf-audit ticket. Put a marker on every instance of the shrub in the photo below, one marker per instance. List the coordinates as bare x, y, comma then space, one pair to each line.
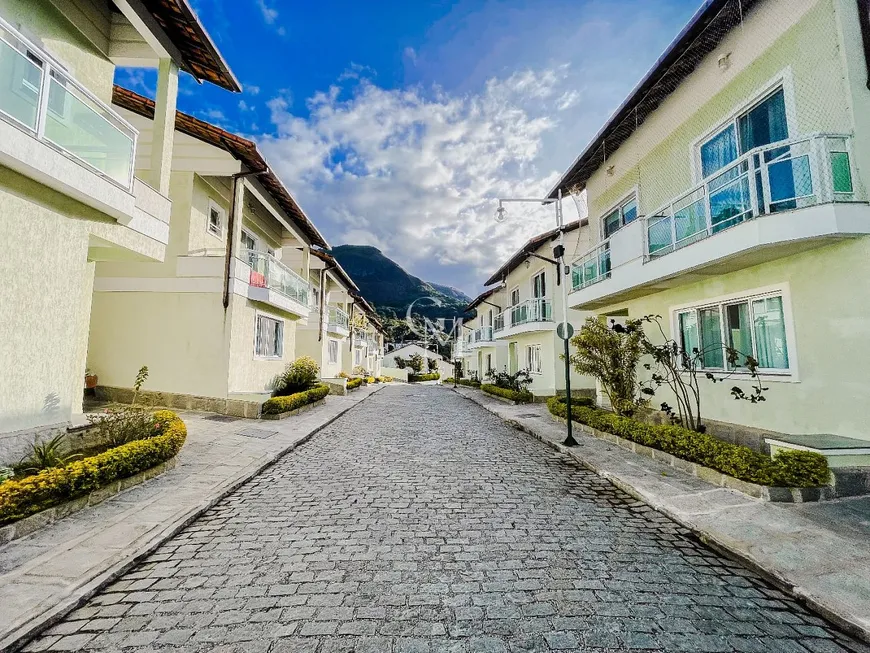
786, 469
6, 473
359, 370
286, 403
519, 396
587, 402
44, 455
354, 383
21, 498
117, 426
449, 379
417, 378
432, 364
299, 375
385, 379
471, 383
372, 379
518, 381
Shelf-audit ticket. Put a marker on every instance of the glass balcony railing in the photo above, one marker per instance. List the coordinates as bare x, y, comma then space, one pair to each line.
498, 323
337, 317
483, 334
269, 272
39, 97
783, 176
531, 310
592, 267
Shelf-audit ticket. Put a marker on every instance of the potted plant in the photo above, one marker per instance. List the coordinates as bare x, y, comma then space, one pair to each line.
91, 380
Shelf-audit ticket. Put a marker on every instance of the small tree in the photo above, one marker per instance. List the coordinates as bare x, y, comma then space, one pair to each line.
680, 370
415, 362
401, 363
432, 364
610, 355
299, 375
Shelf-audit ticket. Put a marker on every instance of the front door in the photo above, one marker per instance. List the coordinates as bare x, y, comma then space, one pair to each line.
513, 359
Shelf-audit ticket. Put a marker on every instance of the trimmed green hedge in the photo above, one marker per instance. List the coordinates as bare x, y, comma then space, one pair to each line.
354, 383
513, 395
416, 378
50, 487
469, 382
786, 469
278, 405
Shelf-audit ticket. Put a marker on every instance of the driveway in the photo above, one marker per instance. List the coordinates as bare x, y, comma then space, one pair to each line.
419, 522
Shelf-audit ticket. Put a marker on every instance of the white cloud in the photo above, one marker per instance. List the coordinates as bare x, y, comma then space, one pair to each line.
417, 171
270, 15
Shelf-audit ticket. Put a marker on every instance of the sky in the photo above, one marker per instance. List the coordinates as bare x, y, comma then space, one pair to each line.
399, 124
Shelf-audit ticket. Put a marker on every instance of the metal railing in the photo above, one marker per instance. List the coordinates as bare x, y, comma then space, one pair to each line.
269, 272
337, 317
592, 267
38, 96
783, 176
531, 310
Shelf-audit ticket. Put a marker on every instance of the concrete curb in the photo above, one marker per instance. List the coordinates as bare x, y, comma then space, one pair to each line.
86, 588
720, 544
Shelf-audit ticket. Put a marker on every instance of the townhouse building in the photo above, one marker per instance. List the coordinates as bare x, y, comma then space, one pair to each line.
216, 321
71, 192
728, 194
515, 327
366, 350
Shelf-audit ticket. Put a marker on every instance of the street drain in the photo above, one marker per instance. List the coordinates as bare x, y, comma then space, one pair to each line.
527, 415
221, 418
260, 434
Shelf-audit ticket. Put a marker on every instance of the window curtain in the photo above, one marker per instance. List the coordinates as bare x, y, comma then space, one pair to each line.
765, 124
719, 151
769, 327
711, 338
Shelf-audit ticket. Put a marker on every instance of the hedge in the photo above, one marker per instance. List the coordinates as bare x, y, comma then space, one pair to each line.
417, 378
50, 487
354, 383
278, 405
786, 469
524, 397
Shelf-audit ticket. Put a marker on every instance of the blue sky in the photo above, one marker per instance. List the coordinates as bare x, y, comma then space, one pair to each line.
397, 124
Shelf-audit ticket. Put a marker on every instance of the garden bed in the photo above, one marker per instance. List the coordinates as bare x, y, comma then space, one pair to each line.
287, 405
42, 498
420, 378
793, 476
511, 396
353, 384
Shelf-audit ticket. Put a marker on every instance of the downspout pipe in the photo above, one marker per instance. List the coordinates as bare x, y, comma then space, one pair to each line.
322, 293
231, 225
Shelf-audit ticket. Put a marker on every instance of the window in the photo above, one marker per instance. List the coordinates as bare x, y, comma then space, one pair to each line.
622, 215
764, 124
754, 327
248, 241
270, 337
533, 359
489, 362
357, 357
332, 351
515, 296
215, 219
539, 285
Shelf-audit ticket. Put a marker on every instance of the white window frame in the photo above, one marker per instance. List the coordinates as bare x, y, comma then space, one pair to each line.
619, 206
783, 80
222, 219
540, 271
534, 355
329, 347
250, 234
790, 375
280, 341
515, 289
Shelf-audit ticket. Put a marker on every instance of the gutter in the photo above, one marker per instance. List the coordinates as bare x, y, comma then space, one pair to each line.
864, 21
231, 224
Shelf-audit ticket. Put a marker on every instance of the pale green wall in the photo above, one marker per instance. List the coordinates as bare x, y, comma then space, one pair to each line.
181, 337
62, 40
44, 303
663, 171
832, 329
247, 373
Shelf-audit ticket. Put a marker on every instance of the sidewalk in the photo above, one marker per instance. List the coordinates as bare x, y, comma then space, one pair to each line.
819, 552
45, 575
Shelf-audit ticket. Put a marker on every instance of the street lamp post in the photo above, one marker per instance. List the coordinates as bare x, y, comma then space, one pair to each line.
566, 330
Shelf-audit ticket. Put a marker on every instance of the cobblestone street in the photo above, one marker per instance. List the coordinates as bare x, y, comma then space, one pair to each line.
418, 522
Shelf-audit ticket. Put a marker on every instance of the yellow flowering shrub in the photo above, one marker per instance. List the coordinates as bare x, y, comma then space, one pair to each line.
20, 498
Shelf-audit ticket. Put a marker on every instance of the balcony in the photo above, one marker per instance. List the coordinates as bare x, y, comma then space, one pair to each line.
774, 201
272, 282
53, 130
527, 316
480, 337
337, 322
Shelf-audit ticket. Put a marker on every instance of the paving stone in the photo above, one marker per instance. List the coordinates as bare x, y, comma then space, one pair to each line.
392, 531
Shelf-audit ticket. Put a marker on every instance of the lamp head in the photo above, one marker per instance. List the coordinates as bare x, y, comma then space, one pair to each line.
500, 213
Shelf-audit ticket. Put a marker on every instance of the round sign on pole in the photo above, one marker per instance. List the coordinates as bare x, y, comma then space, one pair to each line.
560, 330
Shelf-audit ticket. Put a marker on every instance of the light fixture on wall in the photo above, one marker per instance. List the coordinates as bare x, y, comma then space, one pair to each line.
528, 264
724, 61
610, 170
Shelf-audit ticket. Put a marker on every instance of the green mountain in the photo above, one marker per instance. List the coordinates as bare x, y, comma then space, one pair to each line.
387, 286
